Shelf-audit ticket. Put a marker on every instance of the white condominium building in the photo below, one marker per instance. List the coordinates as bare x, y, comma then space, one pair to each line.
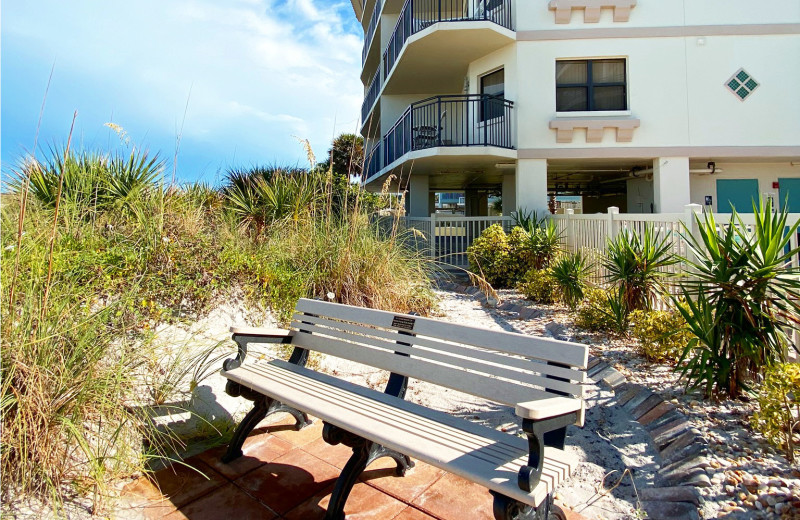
647, 105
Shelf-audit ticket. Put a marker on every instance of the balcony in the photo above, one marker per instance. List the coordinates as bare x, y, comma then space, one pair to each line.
446, 44
445, 122
373, 24
370, 96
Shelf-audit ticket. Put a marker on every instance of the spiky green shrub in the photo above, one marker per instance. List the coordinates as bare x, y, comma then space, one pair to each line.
543, 241
602, 311
570, 274
742, 296
88, 180
488, 255
778, 418
259, 201
635, 264
662, 335
539, 286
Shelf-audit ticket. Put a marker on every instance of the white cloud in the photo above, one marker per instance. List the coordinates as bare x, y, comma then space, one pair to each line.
258, 71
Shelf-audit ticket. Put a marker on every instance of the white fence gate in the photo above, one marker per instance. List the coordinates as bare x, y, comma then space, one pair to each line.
446, 238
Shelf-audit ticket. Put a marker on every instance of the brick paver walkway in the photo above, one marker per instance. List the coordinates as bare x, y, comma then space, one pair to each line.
290, 474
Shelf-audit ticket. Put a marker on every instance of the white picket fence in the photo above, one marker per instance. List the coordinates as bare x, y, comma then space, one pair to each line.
446, 238
590, 233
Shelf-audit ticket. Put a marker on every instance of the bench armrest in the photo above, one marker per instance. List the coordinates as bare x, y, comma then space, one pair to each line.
546, 408
259, 331
244, 335
540, 418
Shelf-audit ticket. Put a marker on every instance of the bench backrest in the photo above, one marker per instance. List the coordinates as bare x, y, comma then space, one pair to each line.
505, 367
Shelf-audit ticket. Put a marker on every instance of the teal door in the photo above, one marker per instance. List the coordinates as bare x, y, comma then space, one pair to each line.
739, 193
789, 188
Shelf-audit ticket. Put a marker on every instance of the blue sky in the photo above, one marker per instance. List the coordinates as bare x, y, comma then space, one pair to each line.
255, 73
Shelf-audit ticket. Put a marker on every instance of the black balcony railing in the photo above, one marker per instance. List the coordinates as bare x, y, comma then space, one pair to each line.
373, 24
458, 120
373, 161
371, 95
419, 14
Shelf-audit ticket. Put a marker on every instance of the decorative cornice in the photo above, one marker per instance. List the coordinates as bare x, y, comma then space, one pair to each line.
641, 152
659, 32
591, 9
594, 126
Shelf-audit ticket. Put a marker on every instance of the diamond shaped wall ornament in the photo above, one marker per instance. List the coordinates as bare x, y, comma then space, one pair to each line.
742, 84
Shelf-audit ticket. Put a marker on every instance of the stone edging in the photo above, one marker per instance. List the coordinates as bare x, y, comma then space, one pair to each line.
682, 448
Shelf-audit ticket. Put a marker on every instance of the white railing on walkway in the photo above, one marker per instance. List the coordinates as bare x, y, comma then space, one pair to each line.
447, 237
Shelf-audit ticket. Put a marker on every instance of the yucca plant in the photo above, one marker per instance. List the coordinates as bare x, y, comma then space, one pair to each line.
635, 264
542, 242
527, 220
742, 296
570, 274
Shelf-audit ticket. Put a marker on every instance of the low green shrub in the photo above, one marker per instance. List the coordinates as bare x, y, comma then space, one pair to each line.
488, 255
539, 286
520, 259
778, 418
602, 310
662, 335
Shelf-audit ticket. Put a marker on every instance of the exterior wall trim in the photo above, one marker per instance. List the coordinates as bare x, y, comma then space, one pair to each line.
591, 9
659, 32
765, 152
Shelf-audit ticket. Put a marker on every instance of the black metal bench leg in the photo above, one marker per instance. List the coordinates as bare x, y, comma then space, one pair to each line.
250, 421
364, 453
505, 508
262, 408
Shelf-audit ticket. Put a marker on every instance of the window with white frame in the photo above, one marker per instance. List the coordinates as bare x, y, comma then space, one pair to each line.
492, 90
591, 85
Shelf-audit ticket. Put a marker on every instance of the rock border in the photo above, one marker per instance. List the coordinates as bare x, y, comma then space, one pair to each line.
682, 448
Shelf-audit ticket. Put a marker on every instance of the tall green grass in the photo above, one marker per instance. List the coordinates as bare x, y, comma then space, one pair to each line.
124, 254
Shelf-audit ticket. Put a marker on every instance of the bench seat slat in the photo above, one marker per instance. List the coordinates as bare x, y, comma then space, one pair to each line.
474, 452
504, 392
461, 364
545, 348
384, 412
483, 353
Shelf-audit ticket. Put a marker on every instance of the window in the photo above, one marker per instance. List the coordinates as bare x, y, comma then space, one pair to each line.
493, 85
591, 85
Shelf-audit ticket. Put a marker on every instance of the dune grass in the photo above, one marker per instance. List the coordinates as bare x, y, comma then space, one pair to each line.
84, 282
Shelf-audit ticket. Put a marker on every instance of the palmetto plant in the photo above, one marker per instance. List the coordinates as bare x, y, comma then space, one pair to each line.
258, 201
635, 264
570, 273
742, 296
89, 179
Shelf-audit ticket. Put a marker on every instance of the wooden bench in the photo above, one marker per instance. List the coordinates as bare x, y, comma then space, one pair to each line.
542, 379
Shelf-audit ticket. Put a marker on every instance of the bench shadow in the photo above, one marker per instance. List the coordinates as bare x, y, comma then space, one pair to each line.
244, 498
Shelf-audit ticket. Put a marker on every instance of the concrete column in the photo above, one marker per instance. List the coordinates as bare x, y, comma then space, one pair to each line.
418, 196
531, 185
509, 194
476, 203
671, 191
